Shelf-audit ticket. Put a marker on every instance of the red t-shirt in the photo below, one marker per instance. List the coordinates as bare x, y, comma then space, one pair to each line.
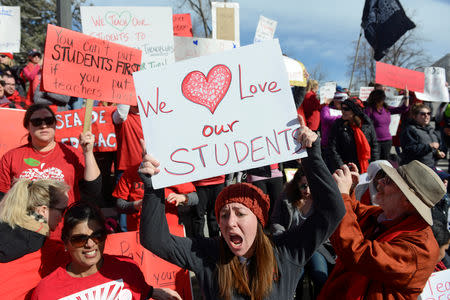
19, 277
119, 278
131, 188
63, 163
210, 181
129, 151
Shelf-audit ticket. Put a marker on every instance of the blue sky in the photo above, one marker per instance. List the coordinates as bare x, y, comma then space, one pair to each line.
320, 32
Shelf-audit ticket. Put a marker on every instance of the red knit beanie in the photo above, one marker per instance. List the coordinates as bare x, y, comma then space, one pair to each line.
248, 195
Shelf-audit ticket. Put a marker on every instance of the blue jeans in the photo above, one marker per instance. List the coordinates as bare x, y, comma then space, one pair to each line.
317, 269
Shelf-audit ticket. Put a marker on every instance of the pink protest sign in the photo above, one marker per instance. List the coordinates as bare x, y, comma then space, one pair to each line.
399, 77
182, 25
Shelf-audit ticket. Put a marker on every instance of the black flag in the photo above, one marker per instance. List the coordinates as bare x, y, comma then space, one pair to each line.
384, 22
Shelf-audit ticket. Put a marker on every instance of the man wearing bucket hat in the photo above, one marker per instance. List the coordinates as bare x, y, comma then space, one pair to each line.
386, 252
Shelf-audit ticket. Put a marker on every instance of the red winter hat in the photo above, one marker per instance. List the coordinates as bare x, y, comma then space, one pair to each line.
248, 195
10, 55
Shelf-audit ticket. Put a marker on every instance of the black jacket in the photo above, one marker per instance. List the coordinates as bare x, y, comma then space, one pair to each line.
415, 141
341, 143
292, 250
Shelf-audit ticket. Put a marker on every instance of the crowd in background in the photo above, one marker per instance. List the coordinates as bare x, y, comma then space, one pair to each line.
354, 139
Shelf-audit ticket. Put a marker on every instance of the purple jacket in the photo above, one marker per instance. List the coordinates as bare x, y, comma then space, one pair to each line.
381, 120
326, 121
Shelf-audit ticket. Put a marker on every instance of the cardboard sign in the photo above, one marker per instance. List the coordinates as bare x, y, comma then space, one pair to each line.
364, 92
437, 287
296, 72
158, 272
12, 132
265, 30
327, 91
149, 29
69, 125
218, 114
225, 21
79, 65
182, 25
399, 77
187, 47
394, 101
435, 89
10, 29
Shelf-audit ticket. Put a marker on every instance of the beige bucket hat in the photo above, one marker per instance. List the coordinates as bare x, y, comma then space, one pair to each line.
420, 184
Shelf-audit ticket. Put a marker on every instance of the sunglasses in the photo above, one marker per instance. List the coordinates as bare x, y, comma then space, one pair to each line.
345, 108
2, 55
38, 121
425, 113
80, 240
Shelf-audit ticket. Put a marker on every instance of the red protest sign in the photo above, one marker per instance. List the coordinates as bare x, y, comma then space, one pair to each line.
157, 272
80, 65
182, 25
12, 132
69, 125
399, 77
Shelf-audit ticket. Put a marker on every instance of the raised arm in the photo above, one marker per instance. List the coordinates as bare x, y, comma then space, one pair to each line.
154, 233
328, 210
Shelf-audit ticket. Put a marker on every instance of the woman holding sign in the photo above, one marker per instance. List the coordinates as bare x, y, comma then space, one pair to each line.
43, 157
91, 272
243, 263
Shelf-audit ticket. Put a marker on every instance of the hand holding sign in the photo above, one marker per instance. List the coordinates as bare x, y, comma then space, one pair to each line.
305, 136
165, 294
149, 164
87, 140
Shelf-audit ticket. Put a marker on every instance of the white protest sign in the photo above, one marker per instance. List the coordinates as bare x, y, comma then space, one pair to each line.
296, 72
10, 29
327, 91
189, 47
364, 92
149, 29
437, 287
265, 30
218, 114
394, 101
225, 21
435, 89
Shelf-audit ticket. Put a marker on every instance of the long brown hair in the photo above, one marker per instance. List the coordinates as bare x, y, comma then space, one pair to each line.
255, 279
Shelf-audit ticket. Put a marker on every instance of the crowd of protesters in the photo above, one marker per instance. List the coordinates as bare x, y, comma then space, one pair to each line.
356, 221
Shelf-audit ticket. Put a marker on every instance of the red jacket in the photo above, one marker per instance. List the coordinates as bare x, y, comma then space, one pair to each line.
311, 108
392, 263
19, 100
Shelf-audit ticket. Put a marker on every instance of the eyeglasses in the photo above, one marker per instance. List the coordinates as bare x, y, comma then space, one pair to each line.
38, 121
303, 186
80, 240
345, 108
422, 113
2, 55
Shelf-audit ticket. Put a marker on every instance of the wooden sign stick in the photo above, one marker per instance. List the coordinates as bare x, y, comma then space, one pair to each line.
88, 115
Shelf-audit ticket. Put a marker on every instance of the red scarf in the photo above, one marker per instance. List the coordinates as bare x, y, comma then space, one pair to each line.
362, 148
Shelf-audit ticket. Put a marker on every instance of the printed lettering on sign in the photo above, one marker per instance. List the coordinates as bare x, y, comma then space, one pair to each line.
230, 113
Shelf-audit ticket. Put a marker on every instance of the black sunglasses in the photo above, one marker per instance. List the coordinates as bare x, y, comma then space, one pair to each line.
2, 55
346, 108
38, 121
422, 113
80, 240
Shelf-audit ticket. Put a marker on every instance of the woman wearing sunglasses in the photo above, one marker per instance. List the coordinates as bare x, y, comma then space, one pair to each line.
291, 210
28, 213
43, 157
352, 138
90, 272
419, 140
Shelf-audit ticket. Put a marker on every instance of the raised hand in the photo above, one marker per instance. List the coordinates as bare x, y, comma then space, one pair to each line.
343, 178
87, 140
305, 136
149, 164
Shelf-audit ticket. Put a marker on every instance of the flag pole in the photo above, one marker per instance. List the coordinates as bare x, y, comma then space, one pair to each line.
354, 62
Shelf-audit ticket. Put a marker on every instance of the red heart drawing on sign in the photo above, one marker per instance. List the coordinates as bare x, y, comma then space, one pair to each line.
207, 91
